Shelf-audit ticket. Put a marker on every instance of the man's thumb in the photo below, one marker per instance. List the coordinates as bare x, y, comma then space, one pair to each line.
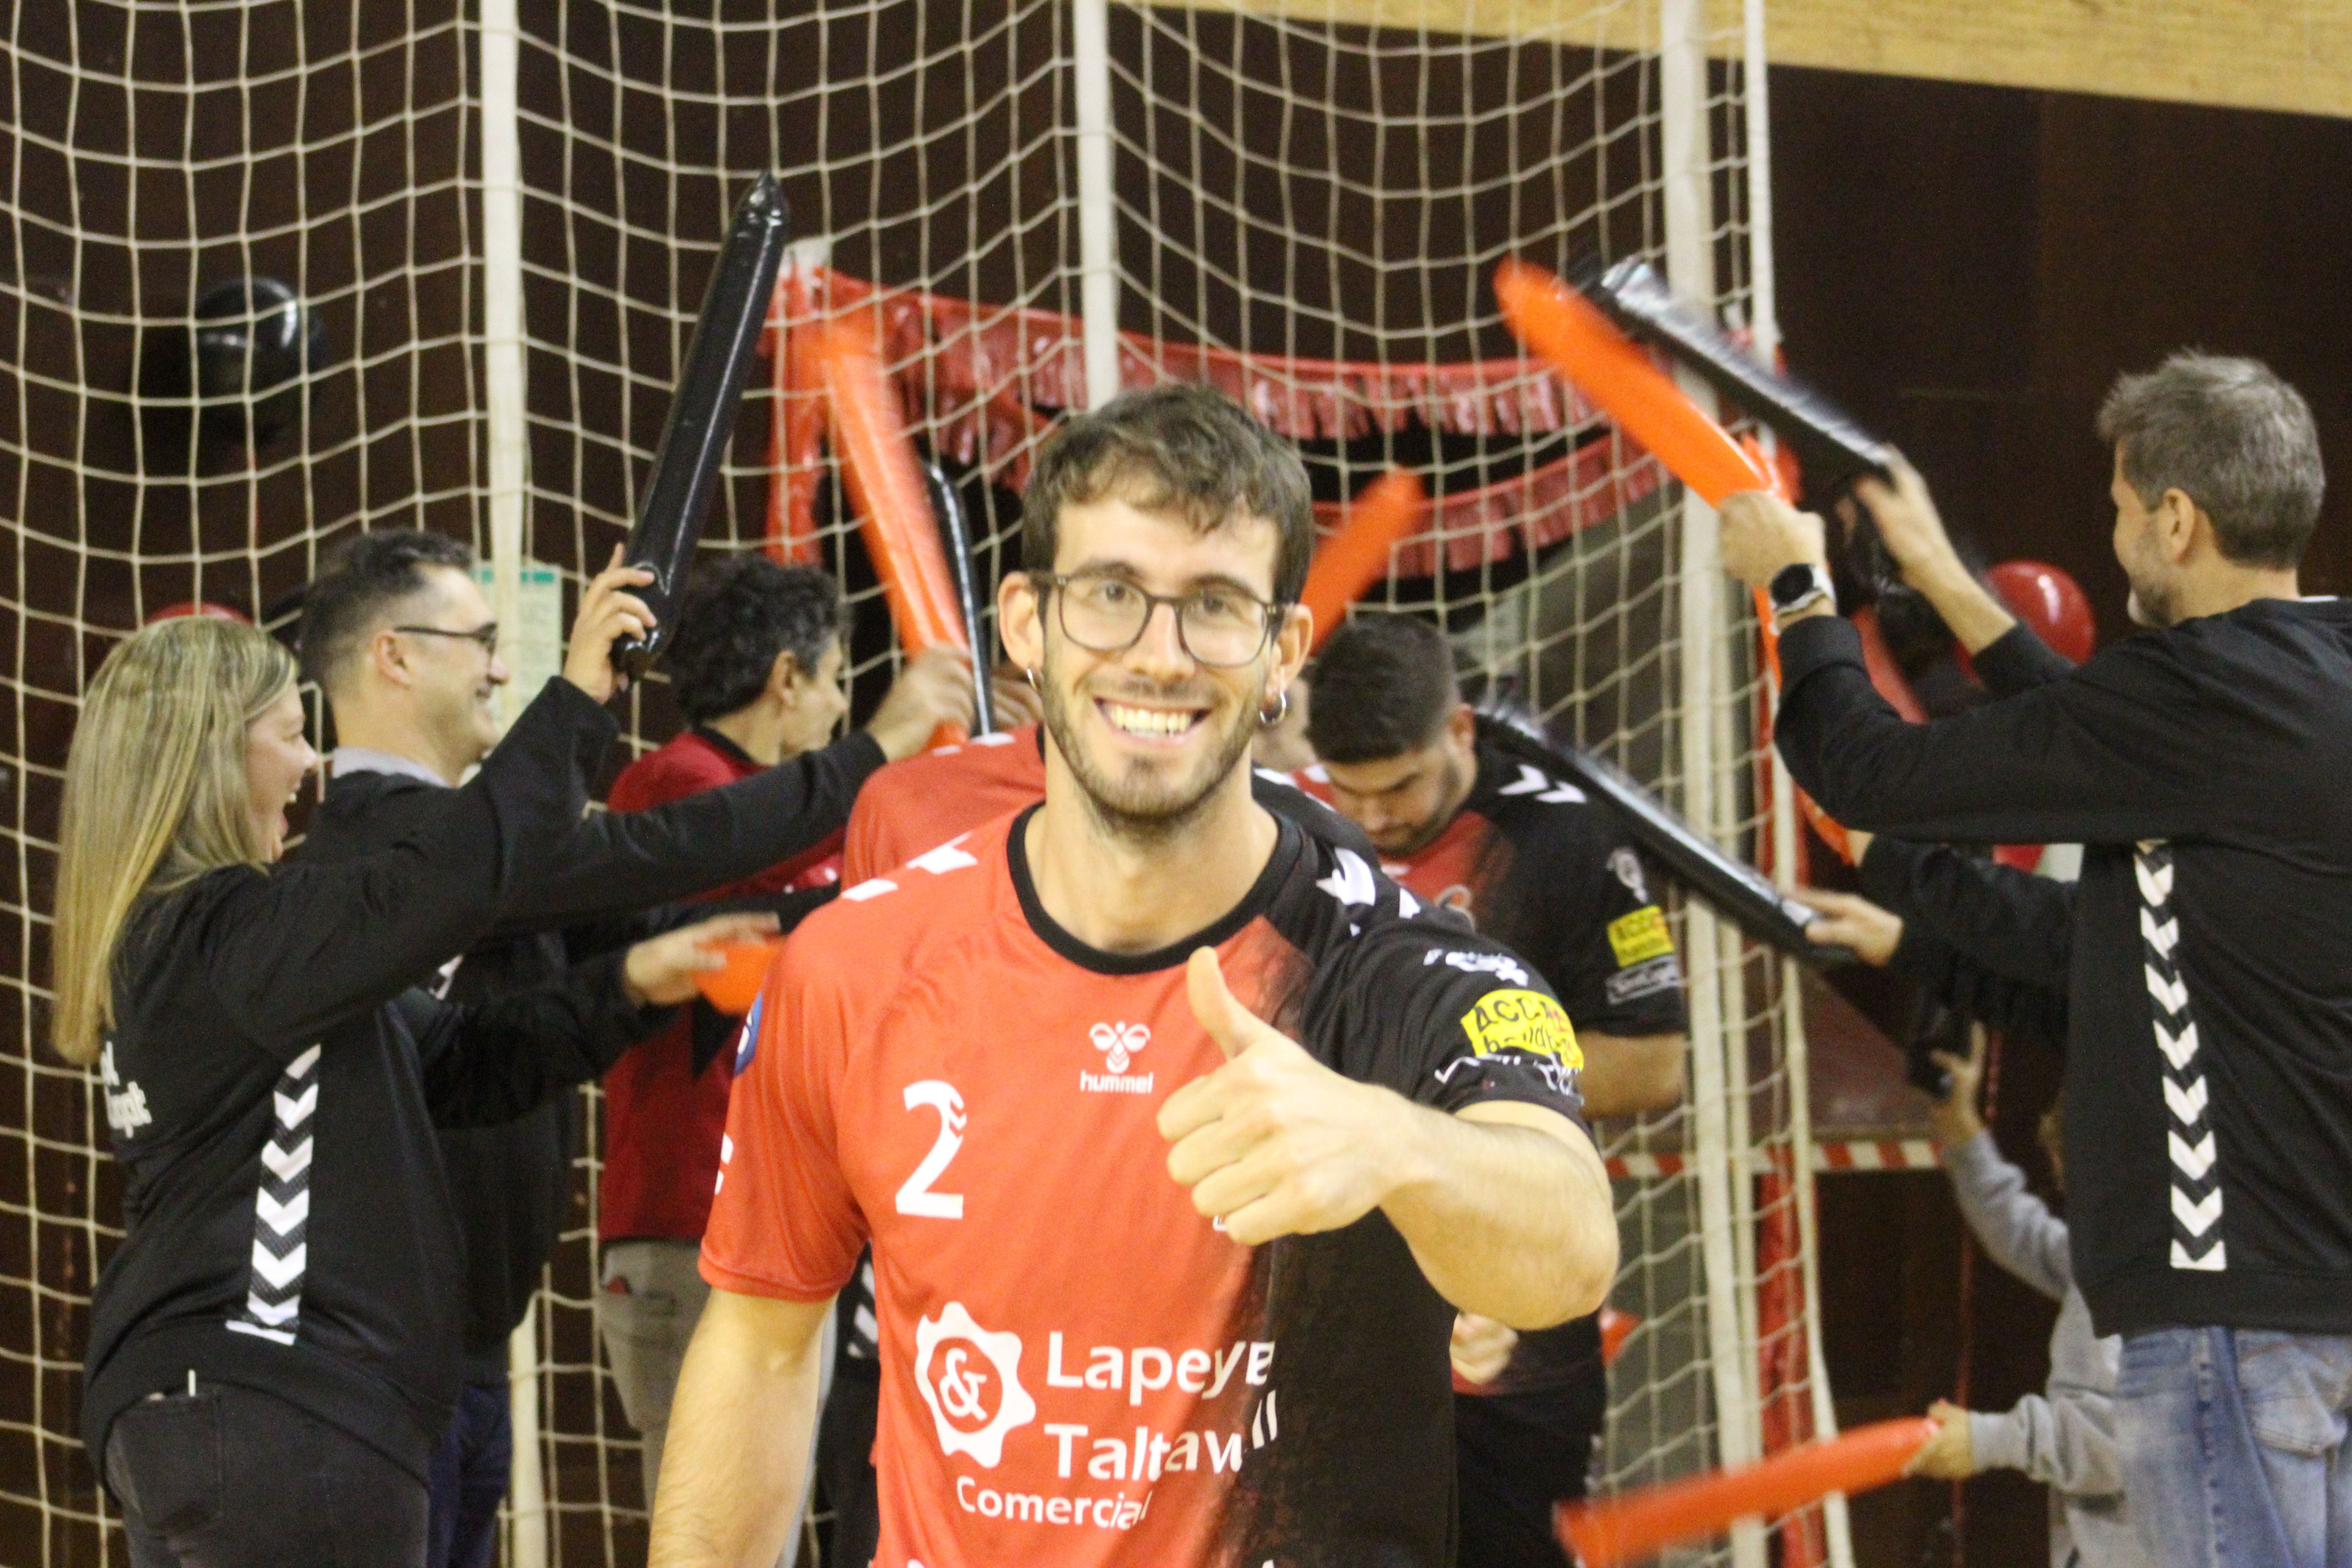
1227, 1021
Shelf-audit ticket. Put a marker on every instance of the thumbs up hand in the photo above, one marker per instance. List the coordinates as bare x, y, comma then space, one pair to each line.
1274, 1143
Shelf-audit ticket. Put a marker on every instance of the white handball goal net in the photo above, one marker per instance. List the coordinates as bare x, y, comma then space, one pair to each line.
495, 221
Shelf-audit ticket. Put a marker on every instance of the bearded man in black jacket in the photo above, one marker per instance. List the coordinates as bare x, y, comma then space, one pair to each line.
2205, 767
401, 638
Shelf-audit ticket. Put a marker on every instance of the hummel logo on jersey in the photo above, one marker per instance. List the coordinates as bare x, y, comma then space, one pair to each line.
971, 1379
1118, 1042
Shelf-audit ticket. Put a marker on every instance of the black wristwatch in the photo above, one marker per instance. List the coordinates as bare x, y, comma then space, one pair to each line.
1795, 587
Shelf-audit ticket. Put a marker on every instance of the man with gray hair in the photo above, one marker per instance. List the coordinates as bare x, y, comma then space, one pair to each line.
2205, 767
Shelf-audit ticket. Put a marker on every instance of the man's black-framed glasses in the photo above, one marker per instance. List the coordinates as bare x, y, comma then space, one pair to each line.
485, 638
1222, 628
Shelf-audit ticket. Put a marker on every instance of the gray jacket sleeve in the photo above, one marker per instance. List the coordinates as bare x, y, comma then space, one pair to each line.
2066, 1441
2016, 1227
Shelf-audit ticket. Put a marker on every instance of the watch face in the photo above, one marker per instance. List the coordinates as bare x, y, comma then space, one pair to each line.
1791, 583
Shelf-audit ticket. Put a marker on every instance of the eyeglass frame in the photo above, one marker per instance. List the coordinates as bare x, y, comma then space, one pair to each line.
485, 638
1273, 611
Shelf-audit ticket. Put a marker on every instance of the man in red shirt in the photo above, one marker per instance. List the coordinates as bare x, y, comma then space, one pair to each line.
756, 666
1165, 1271
903, 810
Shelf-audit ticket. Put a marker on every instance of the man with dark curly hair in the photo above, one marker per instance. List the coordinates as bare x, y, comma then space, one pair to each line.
756, 667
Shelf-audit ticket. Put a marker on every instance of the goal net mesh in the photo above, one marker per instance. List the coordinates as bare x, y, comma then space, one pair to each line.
1307, 203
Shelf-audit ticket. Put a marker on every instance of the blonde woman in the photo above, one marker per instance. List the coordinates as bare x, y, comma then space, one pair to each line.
273, 1345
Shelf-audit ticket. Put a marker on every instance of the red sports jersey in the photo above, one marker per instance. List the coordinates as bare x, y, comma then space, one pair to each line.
662, 1119
1078, 1368
912, 805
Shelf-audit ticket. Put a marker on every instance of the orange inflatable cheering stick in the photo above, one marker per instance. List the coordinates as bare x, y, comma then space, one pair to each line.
887, 491
1355, 556
1606, 365
1637, 1525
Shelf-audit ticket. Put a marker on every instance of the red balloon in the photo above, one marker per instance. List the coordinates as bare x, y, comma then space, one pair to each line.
2051, 602
199, 607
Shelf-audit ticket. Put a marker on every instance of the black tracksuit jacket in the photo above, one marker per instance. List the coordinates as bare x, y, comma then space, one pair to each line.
2207, 770
274, 1083
1991, 942
607, 886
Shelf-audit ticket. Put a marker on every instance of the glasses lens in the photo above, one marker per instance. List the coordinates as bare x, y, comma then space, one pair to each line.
1222, 628
1102, 613
1108, 613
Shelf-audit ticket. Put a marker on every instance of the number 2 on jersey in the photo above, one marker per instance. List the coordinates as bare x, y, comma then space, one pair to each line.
917, 1197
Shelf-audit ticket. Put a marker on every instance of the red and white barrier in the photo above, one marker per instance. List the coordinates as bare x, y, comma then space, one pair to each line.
1843, 1154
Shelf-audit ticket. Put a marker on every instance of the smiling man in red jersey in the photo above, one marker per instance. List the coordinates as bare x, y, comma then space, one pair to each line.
1180, 1134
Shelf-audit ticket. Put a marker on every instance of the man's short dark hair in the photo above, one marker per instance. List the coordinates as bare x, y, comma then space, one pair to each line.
740, 612
2234, 438
1180, 449
359, 583
1384, 686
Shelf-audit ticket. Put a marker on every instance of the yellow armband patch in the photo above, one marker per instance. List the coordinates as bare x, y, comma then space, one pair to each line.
1525, 1021
1640, 936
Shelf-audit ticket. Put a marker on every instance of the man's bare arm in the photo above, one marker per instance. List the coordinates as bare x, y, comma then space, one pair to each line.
741, 1430
1625, 1074
1506, 1206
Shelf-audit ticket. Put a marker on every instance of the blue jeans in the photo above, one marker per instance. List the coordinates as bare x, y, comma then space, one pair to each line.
2233, 1447
470, 1480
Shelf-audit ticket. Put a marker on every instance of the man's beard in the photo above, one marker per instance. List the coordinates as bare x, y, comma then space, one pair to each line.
1147, 809
2150, 604
1426, 833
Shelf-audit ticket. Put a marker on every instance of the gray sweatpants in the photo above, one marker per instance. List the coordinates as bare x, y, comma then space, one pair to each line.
647, 1329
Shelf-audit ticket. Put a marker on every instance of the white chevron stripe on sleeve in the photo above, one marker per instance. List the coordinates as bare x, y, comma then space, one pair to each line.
276, 1316
280, 1272
2179, 1049
2161, 936
2192, 1160
287, 1164
2186, 1104
2196, 1218
275, 1336
295, 1111
282, 1217
2172, 996
2213, 1258
1530, 780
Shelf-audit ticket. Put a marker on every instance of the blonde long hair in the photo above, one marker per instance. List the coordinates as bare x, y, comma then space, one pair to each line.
155, 795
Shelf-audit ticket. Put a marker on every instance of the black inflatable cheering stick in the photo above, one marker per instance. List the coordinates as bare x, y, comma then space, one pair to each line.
702, 414
955, 542
1832, 451
1736, 890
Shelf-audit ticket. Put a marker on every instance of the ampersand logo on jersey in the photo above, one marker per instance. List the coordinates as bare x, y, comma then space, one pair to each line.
971, 1379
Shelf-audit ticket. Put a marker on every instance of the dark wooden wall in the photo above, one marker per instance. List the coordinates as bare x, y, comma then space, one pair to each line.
1967, 268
